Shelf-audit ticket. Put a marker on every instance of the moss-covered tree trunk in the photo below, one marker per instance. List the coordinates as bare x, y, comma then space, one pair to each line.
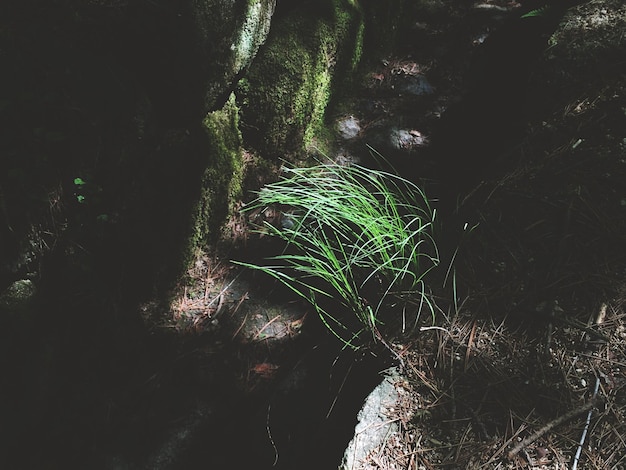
311, 50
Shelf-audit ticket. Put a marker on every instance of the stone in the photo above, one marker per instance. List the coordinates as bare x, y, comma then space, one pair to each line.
406, 139
348, 127
373, 424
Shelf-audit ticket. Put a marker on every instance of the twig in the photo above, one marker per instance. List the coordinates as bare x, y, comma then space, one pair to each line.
601, 314
240, 326
470, 343
552, 424
505, 444
584, 436
223, 291
426, 328
264, 327
241, 300
269, 435
583, 327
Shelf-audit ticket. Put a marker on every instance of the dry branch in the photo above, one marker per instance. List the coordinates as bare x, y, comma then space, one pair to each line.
551, 425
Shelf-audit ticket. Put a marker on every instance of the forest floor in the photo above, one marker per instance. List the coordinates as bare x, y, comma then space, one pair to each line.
528, 371
526, 367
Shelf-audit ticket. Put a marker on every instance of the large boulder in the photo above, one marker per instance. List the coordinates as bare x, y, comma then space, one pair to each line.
374, 425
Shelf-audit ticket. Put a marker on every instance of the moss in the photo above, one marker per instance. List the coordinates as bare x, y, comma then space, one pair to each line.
227, 36
293, 78
252, 33
357, 54
221, 181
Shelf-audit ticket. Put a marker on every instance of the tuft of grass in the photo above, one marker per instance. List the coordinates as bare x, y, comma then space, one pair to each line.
358, 241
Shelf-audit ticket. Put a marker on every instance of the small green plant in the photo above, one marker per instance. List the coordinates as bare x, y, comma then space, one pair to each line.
543, 11
79, 183
355, 237
89, 194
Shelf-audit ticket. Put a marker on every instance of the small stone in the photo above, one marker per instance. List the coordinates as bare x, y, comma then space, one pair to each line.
348, 127
405, 139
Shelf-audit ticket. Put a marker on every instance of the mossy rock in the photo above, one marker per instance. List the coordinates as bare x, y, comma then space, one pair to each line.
228, 37
309, 53
582, 53
221, 180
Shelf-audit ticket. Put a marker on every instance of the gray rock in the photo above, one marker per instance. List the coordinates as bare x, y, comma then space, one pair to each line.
373, 426
406, 139
348, 127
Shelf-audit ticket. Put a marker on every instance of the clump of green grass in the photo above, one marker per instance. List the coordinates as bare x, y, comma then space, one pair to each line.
357, 240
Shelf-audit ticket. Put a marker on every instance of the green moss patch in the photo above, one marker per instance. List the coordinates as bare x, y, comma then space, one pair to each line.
289, 85
222, 177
